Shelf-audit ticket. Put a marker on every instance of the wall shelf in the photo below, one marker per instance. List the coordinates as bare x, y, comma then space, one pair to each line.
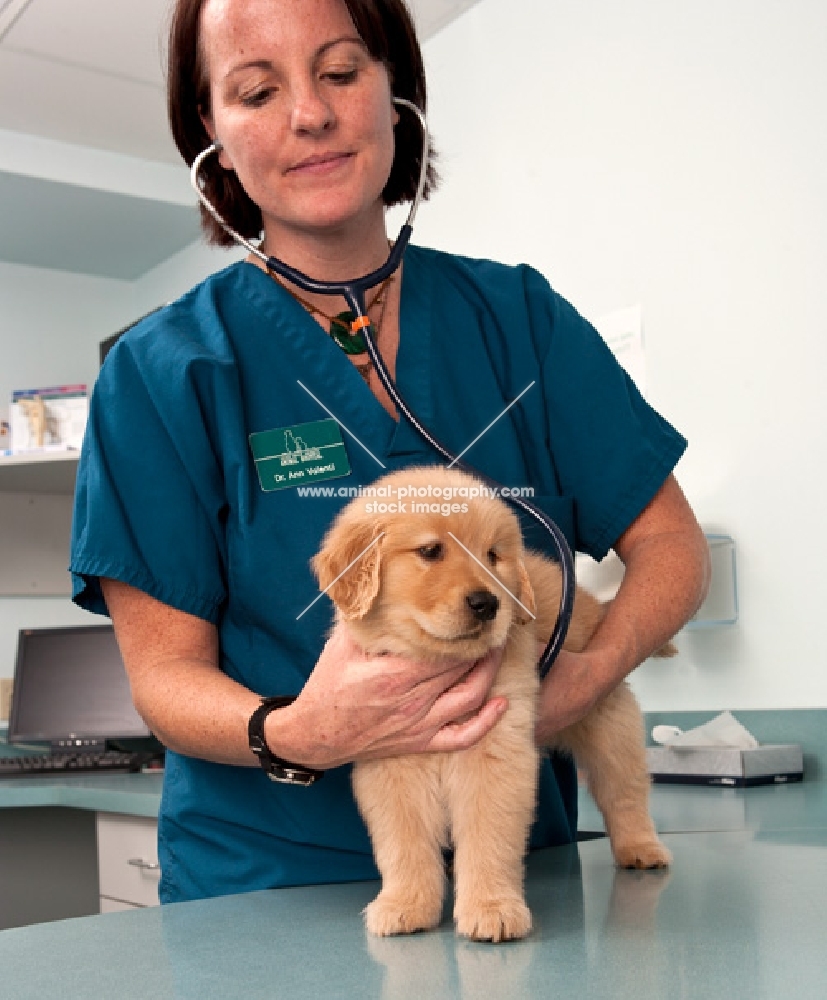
39, 472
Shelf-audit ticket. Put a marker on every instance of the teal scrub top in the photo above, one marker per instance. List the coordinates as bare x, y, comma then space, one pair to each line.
168, 500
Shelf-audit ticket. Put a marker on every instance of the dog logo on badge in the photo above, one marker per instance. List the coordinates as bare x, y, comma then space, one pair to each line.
295, 450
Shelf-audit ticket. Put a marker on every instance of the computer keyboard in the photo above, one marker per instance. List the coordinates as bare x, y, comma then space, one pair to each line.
72, 762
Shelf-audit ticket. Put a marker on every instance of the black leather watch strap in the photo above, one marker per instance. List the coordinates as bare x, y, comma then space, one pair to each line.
276, 768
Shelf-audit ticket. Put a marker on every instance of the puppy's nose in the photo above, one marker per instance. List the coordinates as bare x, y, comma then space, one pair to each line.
484, 604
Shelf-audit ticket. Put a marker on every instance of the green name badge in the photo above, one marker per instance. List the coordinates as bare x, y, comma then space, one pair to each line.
299, 455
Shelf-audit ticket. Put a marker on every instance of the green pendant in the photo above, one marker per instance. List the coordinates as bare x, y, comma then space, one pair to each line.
340, 331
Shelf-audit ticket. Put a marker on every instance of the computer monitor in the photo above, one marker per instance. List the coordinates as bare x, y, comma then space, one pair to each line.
71, 688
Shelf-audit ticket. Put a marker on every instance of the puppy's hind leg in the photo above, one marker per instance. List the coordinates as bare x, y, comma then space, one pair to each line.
400, 802
609, 745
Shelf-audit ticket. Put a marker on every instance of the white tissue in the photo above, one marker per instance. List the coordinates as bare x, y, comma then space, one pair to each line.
722, 731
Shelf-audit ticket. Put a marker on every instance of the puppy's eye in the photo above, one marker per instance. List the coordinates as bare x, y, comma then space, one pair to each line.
493, 558
432, 552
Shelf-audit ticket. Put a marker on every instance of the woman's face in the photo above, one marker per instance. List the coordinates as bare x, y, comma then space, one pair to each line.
302, 110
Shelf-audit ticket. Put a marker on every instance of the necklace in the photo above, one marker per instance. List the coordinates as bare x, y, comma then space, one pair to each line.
341, 330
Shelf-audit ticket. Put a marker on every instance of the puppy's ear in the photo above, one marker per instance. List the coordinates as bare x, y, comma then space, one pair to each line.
352, 588
526, 597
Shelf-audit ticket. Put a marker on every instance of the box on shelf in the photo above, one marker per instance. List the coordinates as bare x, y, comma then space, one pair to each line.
49, 419
728, 766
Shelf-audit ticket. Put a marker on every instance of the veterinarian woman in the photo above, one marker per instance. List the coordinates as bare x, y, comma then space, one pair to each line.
205, 573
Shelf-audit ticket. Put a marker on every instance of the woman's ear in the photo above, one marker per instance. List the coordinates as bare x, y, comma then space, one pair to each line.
348, 566
209, 126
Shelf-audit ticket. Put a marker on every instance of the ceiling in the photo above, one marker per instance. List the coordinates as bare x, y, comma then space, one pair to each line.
88, 74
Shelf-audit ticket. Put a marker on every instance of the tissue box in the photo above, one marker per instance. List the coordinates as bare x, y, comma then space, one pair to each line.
728, 766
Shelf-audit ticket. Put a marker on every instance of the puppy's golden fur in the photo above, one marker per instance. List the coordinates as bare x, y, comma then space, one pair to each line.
408, 594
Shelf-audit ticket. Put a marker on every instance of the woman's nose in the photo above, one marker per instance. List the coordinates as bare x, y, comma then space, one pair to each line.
310, 112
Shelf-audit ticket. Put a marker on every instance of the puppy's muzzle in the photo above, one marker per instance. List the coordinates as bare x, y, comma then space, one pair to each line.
483, 604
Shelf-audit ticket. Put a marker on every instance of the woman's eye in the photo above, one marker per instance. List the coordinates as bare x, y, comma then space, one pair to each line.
341, 77
493, 558
257, 97
430, 553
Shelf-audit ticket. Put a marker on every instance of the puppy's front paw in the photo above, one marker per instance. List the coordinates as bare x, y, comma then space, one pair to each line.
645, 853
493, 919
395, 914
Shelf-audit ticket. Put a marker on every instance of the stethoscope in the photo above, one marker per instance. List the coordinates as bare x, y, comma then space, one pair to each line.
353, 291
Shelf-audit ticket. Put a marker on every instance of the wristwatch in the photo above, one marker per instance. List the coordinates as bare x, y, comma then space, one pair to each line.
276, 768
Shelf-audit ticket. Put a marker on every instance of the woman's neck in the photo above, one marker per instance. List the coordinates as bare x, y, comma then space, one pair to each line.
334, 255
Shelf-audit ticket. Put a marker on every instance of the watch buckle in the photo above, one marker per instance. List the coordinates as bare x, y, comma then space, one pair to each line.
287, 776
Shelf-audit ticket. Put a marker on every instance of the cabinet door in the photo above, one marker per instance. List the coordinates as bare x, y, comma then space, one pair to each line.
128, 858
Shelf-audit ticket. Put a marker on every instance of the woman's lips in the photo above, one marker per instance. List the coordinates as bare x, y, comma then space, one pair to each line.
322, 164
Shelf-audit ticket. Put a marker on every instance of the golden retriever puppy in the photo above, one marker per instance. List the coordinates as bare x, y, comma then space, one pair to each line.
451, 578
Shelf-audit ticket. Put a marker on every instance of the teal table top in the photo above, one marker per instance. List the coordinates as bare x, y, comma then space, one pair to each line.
703, 808
675, 808
740, 915
133, 794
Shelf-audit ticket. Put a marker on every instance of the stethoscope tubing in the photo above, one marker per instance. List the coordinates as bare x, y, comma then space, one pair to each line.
558, 636
353, 292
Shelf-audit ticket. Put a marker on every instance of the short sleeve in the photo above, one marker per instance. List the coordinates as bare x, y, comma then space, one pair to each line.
611, 450
147, 501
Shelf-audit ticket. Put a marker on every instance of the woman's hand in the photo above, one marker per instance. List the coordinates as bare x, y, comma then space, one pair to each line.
359, 707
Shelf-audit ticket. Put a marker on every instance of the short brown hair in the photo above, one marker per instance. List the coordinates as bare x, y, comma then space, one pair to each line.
385, 27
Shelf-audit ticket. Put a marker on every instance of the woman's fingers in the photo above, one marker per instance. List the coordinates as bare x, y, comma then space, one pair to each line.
464, 734
469, 693
466, 712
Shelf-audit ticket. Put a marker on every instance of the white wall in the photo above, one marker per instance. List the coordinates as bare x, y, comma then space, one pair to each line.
179, 273
50, 325
675, 155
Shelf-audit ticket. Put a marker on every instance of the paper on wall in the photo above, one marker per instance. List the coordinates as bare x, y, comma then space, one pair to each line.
623, 332
50, 419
